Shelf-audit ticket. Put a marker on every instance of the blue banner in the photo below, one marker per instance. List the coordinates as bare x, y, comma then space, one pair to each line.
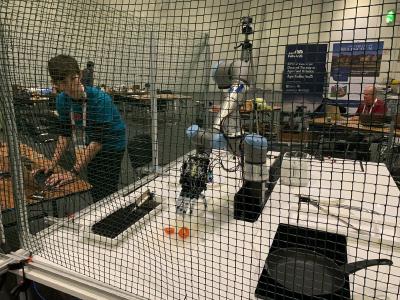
304, 70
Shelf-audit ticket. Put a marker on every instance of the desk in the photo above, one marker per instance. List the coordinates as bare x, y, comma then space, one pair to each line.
225, 259
353, 124
39, 99
145, 100
146, 97
6, 194
32, 101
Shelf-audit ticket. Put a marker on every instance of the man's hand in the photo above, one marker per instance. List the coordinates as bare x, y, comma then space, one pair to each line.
59, 179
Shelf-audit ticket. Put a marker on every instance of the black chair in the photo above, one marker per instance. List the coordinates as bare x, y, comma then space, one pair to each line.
140, 152
360, 144
332, 142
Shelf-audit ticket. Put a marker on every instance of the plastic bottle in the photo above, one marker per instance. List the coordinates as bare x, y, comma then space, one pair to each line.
188, 224
295, 169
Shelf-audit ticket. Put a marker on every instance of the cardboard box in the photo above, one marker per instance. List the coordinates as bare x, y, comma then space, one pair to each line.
295, 136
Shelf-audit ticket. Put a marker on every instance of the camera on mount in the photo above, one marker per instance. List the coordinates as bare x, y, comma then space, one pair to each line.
246, 25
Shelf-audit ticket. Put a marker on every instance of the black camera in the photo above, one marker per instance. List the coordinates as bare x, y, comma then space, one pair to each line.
246, 25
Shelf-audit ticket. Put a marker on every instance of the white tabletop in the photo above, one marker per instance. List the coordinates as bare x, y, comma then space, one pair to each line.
224, 257
371, 189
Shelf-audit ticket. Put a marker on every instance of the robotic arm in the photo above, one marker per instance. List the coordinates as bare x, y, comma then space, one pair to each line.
195, 170
237, 78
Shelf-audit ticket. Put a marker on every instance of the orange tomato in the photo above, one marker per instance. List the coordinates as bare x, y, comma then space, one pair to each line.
184, 232
169, 230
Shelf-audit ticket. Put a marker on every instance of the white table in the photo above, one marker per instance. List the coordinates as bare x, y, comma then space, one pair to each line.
344, 179
224, 259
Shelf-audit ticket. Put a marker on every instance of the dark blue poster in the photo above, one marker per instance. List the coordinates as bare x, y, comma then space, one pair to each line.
305, 69
356, 60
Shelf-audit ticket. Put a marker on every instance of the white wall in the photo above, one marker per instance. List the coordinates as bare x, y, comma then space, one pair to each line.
286, 22
360, 21
279, 23
276, 23
117, 41
124, 23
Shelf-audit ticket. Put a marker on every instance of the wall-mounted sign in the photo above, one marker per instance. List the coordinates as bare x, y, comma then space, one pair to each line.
354, 66
304, 70
356, 60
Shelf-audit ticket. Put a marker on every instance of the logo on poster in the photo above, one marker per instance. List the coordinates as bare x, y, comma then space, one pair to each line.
295, 54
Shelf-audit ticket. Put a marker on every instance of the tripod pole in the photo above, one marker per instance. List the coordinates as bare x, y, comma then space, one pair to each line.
247, 56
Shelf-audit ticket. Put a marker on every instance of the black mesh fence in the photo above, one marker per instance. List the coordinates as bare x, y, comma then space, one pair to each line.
203, 149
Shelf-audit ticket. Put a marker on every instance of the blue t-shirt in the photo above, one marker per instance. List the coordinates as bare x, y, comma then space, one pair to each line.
103, 120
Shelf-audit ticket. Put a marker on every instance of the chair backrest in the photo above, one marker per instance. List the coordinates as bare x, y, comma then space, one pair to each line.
140, 150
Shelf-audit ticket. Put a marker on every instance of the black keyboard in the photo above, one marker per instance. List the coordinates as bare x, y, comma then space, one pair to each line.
122, 219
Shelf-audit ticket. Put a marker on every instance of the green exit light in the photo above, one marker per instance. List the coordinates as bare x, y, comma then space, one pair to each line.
390, 17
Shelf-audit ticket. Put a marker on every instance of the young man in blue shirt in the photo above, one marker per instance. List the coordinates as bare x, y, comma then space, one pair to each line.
93, 111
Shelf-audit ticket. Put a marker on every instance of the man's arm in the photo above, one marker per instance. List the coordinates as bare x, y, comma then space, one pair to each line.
64, 130
62, 178
62, 145
90, 152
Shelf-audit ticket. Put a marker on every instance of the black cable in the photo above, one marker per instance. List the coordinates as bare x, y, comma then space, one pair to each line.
35, 288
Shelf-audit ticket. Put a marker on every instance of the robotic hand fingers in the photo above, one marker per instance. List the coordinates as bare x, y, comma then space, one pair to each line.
195, 174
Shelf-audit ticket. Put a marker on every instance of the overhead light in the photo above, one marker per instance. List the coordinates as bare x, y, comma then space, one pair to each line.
391, 17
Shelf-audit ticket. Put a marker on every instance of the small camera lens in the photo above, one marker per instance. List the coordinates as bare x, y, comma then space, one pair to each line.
247, 20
